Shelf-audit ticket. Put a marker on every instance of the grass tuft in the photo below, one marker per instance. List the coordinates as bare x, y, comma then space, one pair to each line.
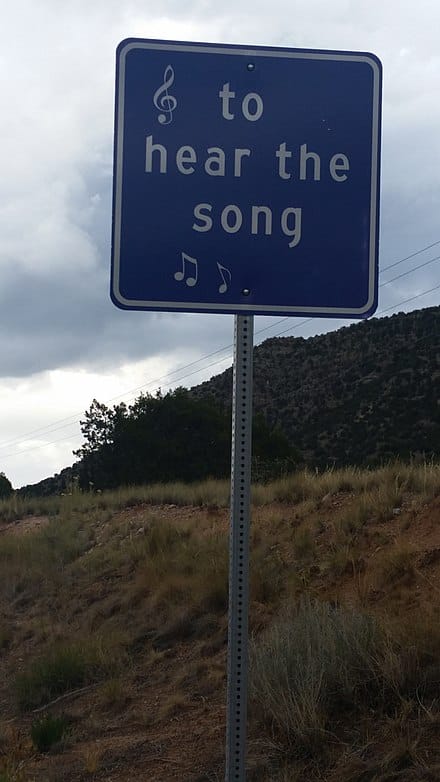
63, 668
311, 664
47, 731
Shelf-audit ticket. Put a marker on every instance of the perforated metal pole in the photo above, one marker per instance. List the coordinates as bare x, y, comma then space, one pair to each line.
239, 550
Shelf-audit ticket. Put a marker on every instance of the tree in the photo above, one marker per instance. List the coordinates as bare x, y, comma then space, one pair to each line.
5, 487
164, 438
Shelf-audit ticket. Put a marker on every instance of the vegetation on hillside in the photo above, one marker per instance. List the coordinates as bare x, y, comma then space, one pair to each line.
166, 437
5, 486
362, 395
113, 631
162, 438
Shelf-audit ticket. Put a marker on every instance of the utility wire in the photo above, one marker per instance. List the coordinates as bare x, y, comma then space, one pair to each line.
189, 374
413, 298
57, 425
73, 419
413, 255
399, 276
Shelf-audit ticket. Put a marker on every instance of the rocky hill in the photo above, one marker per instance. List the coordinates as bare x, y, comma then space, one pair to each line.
361, 395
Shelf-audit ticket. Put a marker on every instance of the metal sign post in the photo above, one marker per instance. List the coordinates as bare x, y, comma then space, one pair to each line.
239, 550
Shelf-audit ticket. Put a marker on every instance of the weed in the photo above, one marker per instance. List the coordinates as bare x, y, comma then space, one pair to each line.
360, 512
266, 575
396, 565
340, 560
39, 556
11, 771
13, 752
48, 731
180, 567
363, 587
175, 703
65, 667
311, 663
113, 693
304, 543
5, 637
92, 758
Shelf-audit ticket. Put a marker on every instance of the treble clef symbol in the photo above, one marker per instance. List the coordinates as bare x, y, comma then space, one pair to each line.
164, 102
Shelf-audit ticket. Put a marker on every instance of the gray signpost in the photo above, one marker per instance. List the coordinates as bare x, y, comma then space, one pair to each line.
239, 548
246, 181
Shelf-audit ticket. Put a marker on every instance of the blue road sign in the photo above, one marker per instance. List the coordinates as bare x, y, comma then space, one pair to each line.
246, 179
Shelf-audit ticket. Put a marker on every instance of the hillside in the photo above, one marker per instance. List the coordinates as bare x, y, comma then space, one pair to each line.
361, 395
113, 632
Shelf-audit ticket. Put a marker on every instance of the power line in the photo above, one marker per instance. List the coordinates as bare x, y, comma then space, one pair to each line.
189, 374
182, 377
413, 255
65, 422
427, 263
44, 445
381, 312
413, 298
55, 427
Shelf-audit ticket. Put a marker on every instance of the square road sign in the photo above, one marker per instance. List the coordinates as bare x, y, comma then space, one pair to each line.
246, 179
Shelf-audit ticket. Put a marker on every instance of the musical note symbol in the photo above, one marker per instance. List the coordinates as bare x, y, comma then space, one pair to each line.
224, 286
162, 100
179, 276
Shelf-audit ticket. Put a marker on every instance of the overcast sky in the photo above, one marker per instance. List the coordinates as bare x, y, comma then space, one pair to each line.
62, 342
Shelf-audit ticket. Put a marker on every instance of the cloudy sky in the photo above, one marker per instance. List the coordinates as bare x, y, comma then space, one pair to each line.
62, 342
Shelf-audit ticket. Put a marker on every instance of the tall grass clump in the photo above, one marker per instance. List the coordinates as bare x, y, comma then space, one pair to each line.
200, 493
47, 731
40, 555
63, 668
312, 664
387, 483
16, 507
179, 567
11, 771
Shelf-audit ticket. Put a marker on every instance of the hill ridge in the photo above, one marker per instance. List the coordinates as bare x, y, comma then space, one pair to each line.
363, 394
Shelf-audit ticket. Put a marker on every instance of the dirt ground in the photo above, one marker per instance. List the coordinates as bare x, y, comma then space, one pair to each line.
167, 719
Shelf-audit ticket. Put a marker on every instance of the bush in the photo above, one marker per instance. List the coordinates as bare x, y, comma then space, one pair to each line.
26, 560
48, 731
310, 664
5, 486
63, 668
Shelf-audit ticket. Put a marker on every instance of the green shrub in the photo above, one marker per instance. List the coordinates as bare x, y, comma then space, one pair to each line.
310, 664
64, 668
48, 731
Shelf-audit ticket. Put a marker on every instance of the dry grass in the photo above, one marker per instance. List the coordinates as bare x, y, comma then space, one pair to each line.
390, 481
66, 667
312, 663
303, 543
149, 586
112, 694
43, 556
396, 565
